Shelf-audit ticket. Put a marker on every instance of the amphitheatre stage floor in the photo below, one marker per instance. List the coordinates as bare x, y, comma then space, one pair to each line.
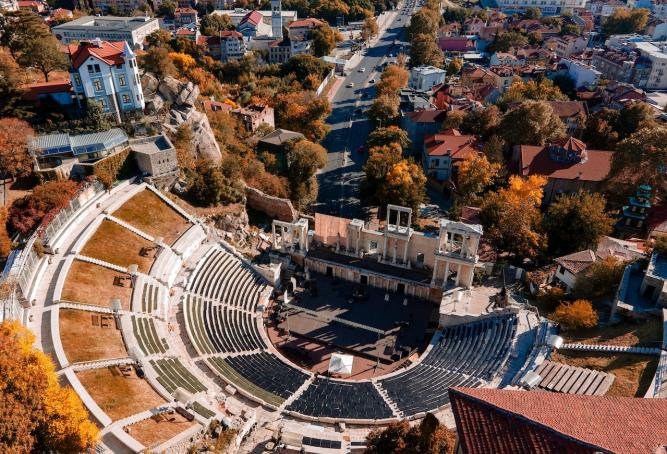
334, 300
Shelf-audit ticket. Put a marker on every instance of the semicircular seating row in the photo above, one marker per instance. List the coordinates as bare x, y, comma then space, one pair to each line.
223, 294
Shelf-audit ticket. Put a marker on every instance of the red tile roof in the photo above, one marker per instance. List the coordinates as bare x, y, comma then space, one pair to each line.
253, 17
109, 52
33, 91
578, 261
457, 146
535, 160
427, 116
308, 22
456, 44
511, 422
230, 34
184, 11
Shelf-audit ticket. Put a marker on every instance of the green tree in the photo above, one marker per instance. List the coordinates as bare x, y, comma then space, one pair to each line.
570, 29
601, 132
585, 217
429, 437
454, 119
388, 135
212, 24
304, 65
391, 179
531, 123
482, 122
424, 22
157, 62
12, 104
454, 67
385, 109
625, 21
212, 185
44, 55
96, 120
425, 51
304, 158
532, 13
159, 38
504, 41
600, 280
632, 117
19, 29
166, 9
641, 158
324, 40
535, 90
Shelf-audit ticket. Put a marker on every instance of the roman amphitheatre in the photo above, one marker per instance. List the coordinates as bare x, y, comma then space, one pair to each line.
161, 326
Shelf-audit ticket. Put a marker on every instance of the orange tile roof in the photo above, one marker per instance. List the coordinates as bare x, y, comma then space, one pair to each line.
451, 144
535, 160
511, 422
308, 22
108, 52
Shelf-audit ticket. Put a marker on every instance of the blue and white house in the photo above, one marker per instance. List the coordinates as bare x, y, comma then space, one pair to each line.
107, 72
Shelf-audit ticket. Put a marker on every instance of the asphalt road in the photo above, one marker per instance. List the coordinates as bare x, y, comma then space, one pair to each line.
341, 177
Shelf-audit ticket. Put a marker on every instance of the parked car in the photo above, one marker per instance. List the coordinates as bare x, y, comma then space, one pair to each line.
362, 70
350, 85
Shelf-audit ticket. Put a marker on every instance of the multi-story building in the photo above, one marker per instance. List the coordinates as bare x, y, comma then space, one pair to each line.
569, 44
185, 16
280, 51
300, 33
622, 65
133, 30
232, 45
260, 23
660, 9
546, 6
423, 78
656, 53
443, 152
106, 72
253, 25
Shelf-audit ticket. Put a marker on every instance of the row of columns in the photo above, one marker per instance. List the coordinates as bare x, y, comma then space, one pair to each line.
457, 281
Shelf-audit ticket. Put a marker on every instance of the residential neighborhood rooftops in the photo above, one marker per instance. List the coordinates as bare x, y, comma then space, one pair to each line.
537, 160
451, 144
503, 421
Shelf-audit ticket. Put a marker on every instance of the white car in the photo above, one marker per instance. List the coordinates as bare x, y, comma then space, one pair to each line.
350, 85
362, 70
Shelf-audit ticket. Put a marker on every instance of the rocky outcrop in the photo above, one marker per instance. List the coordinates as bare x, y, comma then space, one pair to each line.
182, 97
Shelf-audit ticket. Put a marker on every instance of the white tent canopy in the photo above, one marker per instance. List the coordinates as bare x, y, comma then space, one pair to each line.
340, 364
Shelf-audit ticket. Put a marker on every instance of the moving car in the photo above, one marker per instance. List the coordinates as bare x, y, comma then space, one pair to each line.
372, 81
362, 70
350, 85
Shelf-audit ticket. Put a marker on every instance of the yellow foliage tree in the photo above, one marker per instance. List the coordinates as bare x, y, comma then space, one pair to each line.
576, 315
475, 175
38, 415
183, 62
512, 217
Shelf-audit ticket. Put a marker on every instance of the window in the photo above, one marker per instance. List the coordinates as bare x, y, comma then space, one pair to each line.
97, 84
121, 80
91, 69
77, 80
126, 99
119, 66
103, 102
373, 245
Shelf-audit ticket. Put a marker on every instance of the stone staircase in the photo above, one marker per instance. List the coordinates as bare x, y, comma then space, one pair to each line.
100, 364
169, 202
64, 304
105, 264
394, 408
611, 349
130, 227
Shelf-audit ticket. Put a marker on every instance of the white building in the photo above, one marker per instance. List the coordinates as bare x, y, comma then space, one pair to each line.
276, 18
9, 5
583, 75
107, 73
423, 78
134, 30
546, 6
237, 15
656, 52
232, 45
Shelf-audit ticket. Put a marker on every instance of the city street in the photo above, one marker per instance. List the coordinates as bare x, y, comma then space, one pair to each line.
340, 179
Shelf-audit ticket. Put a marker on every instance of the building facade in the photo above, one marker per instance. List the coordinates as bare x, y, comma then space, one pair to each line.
133, 30
107, 73
423, 78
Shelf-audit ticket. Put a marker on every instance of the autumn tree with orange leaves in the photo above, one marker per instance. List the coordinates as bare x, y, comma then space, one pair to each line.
429, 437
37, 414
392, 179
14, 158
512, 219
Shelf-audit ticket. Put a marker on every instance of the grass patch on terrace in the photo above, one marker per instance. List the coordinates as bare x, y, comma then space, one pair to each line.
93, 284
634, 373
84, 341
116, 244
149, 213
117, 395
154, 431
647, 333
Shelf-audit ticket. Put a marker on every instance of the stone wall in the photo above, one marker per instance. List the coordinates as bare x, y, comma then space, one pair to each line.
274, 207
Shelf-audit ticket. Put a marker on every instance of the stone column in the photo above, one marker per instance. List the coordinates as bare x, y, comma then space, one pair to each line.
458, 275
405, 252
444, 280
435, 272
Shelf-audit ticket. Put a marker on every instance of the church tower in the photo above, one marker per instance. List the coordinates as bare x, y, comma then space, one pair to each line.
277, 19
